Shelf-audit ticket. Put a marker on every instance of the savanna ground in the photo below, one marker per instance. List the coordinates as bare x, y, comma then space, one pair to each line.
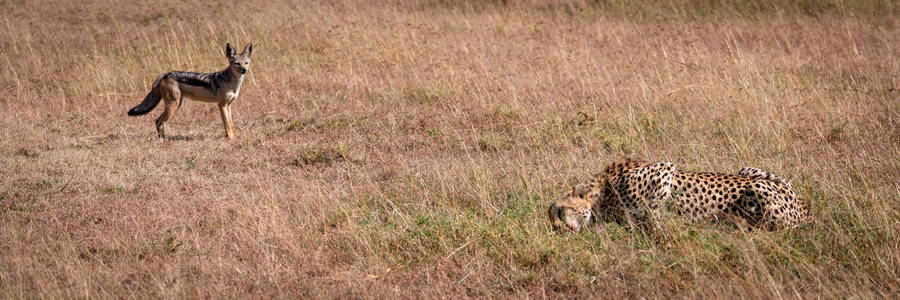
411, 149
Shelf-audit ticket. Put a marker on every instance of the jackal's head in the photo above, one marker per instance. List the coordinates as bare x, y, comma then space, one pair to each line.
239, 63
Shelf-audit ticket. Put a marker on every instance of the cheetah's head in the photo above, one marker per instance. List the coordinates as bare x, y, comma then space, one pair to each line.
573, 211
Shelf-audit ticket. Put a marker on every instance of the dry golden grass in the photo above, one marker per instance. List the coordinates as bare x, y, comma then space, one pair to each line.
411, 149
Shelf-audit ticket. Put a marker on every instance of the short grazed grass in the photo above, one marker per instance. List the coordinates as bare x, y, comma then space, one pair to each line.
411, 148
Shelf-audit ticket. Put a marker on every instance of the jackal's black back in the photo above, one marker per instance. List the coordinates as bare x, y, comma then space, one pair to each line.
204, 80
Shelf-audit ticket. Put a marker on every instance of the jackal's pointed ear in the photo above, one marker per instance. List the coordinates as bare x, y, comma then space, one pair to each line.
229, 51
248, 50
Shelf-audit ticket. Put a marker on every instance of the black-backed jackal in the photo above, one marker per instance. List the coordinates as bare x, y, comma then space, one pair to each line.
221, 87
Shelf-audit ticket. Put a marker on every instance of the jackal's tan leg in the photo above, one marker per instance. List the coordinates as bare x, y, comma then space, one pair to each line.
170, 95
225, 110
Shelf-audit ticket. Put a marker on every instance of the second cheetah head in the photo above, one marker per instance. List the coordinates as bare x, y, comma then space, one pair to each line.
573, 211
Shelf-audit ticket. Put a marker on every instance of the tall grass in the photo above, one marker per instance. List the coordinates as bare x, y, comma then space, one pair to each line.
411, 149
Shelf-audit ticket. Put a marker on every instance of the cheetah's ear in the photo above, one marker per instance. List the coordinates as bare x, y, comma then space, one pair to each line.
579, 190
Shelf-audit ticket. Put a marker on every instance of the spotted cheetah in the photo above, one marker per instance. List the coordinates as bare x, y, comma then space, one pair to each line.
635, 190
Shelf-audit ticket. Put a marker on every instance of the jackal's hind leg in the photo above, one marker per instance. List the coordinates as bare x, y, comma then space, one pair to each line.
171, 96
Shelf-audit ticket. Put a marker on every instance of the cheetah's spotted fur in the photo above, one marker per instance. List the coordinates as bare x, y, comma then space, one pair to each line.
636, 189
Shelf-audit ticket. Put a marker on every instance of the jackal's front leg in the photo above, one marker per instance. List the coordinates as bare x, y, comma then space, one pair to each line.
225, 111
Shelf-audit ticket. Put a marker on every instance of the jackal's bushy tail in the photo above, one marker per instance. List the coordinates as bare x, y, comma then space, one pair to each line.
149, 102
